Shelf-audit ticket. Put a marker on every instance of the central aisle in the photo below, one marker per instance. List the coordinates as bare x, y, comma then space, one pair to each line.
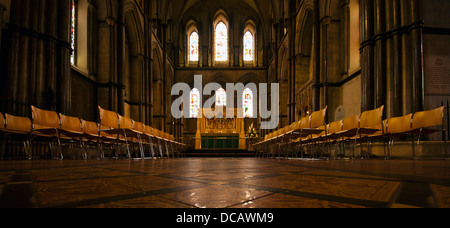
224, 183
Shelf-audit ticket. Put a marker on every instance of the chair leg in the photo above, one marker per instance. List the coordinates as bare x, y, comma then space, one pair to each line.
126, 142
3, 147
28, 146
160, 149
151, 147
141, 149
61, 157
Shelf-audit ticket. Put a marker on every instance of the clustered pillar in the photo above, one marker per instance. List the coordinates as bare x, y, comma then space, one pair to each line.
37, 57
391, 56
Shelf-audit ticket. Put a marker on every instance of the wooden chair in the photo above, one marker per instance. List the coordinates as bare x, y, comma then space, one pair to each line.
370, 122
157, 135
397, 127
139, 128
121, 127
355, 127
47, 125
307, 127
425, 123
18, 127
92, 136
332, 136
72, 127
2, 121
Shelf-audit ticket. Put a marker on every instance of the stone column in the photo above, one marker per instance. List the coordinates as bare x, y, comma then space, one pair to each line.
13, 57
2, 10
35, 14
380, 53
416, 36
148, 50
106, 77
41, 57
24, 47
64, 76
149, 62
406, 74
316, 57
397, 95
121, 61
367, 55
51, 54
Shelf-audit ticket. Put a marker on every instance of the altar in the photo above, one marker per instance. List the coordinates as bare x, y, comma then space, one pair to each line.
220, 133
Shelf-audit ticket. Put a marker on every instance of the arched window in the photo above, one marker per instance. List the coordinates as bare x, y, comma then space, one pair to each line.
221, 42
194, 105
248, 46
73, 30
247, 103
193, 46
221, 97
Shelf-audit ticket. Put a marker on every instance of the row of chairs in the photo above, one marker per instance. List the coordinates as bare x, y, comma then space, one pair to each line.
113, 130
312, 134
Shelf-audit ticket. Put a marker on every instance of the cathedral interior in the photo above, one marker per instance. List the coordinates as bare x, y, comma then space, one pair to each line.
87, 59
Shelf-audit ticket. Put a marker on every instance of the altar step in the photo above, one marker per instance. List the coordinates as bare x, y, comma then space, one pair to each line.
220, 153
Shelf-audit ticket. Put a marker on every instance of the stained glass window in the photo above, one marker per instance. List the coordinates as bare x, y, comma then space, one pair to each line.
247, 103
221, 97
221, 42
72, 32
248, 46
194, 103
193, 47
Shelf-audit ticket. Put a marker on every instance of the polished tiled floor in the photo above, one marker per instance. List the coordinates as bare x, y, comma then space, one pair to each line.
224, 183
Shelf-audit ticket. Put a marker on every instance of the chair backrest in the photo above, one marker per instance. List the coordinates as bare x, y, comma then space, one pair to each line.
305, 122
351, 122
44, 118
429, 118
108, 118
294, 126
286, 129
70, 123
372, 118
399, 124
2, 121
15, 123
148, 130
318, 118
138, 126
155, 132
125, 122
89, 127
335, 127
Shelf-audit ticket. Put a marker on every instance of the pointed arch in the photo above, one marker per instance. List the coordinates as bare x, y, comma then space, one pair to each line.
221, 38
247, 103
194, 103
221, 97
192, 43
193, 46
249, 42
